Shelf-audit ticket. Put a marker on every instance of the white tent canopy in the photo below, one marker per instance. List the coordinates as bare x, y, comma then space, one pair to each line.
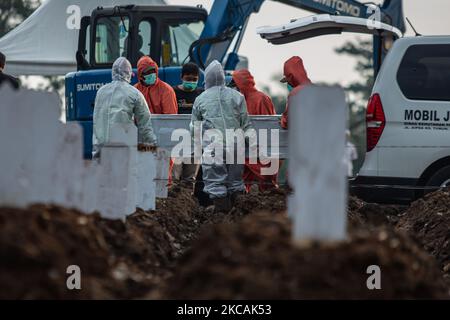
43, 44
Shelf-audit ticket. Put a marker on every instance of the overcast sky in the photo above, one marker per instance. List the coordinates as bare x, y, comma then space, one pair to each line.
430, 17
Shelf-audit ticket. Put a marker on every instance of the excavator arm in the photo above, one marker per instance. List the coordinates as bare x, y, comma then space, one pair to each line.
226, 21
347, 7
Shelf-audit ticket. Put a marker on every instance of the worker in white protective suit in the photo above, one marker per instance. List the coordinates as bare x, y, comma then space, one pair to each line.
120, 103
217, 109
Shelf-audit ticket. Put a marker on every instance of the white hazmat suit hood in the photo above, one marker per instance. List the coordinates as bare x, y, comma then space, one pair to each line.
214, 75
219, 107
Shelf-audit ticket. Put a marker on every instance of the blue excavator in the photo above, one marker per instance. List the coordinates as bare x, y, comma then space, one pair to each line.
174, 35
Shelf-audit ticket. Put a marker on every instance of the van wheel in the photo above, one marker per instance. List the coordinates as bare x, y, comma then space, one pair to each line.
440, 179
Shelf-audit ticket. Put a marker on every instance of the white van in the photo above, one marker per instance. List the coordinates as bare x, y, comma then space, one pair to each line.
408, 115
408, 123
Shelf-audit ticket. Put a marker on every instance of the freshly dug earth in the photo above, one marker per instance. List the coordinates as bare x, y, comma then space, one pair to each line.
369, 215
256, 259
39, 243
428, 221
147, 252
271, 201
117, 259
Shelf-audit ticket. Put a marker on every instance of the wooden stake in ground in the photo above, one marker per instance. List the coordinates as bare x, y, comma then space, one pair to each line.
316, 172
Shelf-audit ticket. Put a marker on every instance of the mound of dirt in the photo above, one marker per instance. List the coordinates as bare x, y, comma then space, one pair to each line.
428, 221
369, 215
237, 255
355, 218
39, 243
360, 213
117, 259
270, 201
256, 259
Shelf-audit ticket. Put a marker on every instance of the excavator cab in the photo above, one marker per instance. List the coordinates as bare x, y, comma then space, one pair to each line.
164, 33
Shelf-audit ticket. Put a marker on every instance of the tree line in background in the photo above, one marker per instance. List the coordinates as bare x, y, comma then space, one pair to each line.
13, 12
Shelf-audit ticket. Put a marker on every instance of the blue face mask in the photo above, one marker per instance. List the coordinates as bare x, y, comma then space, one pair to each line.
289, 87
190, 85
150, 79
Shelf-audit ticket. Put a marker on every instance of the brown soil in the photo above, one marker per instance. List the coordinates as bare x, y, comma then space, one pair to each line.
369, 215
271, 201
256, 259
182, 247
117, 259
428, 221
39, 243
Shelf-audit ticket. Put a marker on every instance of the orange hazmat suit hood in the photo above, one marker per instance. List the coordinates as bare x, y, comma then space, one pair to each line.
144, 63
295, 73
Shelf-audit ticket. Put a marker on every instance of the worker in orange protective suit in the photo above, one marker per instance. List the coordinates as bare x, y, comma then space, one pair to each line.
258, 103
160, 96
296, 78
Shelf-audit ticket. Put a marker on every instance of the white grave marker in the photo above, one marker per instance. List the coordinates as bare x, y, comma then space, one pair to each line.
41, 161
317, 171
162, 173
117, 181
29, 130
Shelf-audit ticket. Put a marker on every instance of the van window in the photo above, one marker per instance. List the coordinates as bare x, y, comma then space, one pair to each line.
424, 73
